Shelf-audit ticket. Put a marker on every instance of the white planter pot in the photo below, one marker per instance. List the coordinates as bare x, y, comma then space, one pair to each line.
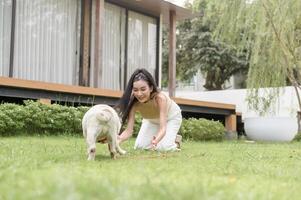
271, 128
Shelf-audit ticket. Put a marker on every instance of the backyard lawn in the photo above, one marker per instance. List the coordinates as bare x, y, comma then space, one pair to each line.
56, 168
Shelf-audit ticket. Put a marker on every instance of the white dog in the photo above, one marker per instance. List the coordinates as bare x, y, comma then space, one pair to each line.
101, 122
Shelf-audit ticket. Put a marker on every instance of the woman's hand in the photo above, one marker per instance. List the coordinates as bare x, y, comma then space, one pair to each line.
154, 143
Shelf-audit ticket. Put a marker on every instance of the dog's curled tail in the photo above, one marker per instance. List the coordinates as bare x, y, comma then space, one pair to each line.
104, 116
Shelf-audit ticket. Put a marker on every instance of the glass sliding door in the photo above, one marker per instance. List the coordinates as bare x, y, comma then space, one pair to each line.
115, 53
112, 44
5, 35
142, 43
47, 40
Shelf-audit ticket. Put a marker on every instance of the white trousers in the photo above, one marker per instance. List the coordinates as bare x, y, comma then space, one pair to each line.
149, 129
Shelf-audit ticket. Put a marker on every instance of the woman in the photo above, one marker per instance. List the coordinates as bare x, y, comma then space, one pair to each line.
161, 115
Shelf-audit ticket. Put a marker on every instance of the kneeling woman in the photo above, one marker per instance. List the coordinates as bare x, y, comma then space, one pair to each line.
161, 115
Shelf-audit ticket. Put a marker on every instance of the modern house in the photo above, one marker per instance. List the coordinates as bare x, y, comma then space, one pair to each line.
83, 51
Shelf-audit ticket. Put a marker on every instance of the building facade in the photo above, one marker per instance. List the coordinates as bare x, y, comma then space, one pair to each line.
92, 43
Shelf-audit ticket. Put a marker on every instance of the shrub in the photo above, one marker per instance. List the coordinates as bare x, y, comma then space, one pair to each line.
202, 129
137, 125
12, 118
53, 118
297, 137
37, 118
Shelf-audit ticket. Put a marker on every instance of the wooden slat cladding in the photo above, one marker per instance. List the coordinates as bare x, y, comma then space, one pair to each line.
111, 96
204, 103
37, 85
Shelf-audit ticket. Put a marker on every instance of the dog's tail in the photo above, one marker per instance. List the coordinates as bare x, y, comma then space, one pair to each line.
104, 116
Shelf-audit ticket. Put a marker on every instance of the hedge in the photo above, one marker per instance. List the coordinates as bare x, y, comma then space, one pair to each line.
35, 118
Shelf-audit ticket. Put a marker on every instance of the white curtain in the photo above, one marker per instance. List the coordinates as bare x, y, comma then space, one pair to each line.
5, 35
47, 40
142, 43
111, 67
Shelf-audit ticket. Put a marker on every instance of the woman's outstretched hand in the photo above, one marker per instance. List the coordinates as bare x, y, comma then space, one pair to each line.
154, 143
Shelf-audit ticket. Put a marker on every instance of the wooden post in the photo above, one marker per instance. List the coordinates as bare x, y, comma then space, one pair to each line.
231, 126
231, 122
84, 77
172, 54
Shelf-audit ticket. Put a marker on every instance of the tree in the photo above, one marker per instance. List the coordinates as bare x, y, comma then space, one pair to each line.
216, 60
196, 50
274, 29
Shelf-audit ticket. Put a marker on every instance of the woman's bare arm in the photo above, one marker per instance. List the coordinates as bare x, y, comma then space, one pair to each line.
130, 127
162, 104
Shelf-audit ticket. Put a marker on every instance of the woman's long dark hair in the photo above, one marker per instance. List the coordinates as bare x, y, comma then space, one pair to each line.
127, 100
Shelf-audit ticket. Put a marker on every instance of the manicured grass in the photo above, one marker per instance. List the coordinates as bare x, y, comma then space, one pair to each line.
56, 168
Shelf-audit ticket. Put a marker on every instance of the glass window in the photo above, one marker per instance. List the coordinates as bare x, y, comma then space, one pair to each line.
47, 40
110, 68
109, 71
142, 43
5, 35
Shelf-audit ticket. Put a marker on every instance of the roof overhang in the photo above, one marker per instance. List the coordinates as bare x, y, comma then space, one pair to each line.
156, 8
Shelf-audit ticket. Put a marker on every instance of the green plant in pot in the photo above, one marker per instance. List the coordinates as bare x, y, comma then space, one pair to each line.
270, 32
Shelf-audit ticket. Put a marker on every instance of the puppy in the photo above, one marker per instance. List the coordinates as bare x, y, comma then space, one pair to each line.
101, 122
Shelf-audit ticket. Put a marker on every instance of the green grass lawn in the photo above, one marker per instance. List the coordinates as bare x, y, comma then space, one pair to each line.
56, 168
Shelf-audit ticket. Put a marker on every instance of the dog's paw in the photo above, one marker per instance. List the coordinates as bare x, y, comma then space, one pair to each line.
113, 155
122, 152
91, 158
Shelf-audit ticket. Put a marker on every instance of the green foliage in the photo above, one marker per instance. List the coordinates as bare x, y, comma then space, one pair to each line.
51, 168
165, 53
193, 129
197, 51
202, 129
297, 137
270, 31
12, 118
137, 125
37, 118
216, 60
53, 118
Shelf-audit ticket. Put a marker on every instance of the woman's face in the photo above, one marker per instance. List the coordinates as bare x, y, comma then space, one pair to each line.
141, 91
